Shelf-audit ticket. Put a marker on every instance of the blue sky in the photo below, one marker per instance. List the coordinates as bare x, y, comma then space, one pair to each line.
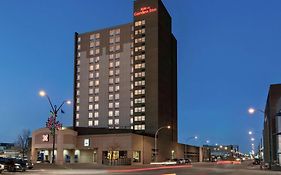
228, 55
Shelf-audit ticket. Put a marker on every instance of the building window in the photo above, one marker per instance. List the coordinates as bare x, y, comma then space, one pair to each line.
90, 115
136, 156
117, 80
96, 114
97, 74
96, 98
140, 92
97, 82
110, 121
91, 52
77, 108
139, 100
77, 123
117, 97
117, 56
91, 91
97, 90
116, 104
139, 118
110, 105
139, 127
116, 121
139, 74
140, 57
96, 106
77, 116
91, 75
140, 66
91, 83
79, 39
110, 81
97, 67
111, 73
91, 68
117, 88
140, 83
90, 107
116, 113
117, 71
110, 113
96, 122
90, 123
110, 88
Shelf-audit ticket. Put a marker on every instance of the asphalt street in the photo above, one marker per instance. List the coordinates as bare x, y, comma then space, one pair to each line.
196, 169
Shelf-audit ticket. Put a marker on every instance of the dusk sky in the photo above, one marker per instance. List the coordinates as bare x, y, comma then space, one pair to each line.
229, 52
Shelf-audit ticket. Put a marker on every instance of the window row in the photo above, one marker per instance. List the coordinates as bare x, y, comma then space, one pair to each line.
91, 123
95, 114
91, 106
139, 48
140, 92
111, 80
111, 88
139, 118
140, 31
95, 36
114, 32
94, 44
113, 96
91, 83
94, 67
111, 72
111, 64
94, 75
140, 83
116, 121
139, 74
139, 57
114, 48
139, 109
140, 23
140, 40
139, 100
95, 51
116, 105
116, 56
113, 40
116, 113
139, 127
94, 59
92, 91
140, 66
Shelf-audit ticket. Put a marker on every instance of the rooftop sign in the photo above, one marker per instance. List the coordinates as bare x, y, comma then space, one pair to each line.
145, 10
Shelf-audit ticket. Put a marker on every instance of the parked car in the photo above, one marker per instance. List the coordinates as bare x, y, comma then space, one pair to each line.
11, 164
1, 168
169, 162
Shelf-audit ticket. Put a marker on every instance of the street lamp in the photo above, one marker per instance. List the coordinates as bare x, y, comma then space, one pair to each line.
189, 138
155, 140
250, 133
252, 139
52, 122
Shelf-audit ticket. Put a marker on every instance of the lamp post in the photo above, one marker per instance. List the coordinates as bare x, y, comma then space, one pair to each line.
52, 122
189, 138
252, 110
155, 140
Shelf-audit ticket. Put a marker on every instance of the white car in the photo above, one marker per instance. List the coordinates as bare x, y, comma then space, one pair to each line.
1, 168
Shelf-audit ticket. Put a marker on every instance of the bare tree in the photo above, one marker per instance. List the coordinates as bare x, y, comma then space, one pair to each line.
23, 142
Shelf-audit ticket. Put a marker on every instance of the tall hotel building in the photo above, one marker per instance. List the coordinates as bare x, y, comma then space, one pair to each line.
126, 76
125, 90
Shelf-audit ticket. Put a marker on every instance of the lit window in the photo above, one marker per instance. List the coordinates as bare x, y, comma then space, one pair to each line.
96, 106
111, 56
110, 80
97, 51
96, 98
91, 83
117, 63
139, 100
97, 43
91, 68
110, 113
97, 74
110, 122
117, 39
97, 82
140, 109
117, 55
110, 105
110, 72
117, 47
77, 123
116, 121
78, 62
79, 39
117, 31
97, 67
91, 99
116, 113
97, 90
90, 107
131, 120
91, 52
117, 80
117, 88
116, 96
96, 114
117, 71
91, 75
79, 47
77, 92
77, 116
96, 122
78, 100
78, 85
110, 96
111, 40
111, 32
110, 88
131, 112
97, 35
110, 64
116, 104
90, 123
91, 91
92, 44
97, 59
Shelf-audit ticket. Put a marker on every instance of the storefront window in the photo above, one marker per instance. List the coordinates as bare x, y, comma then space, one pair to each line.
136, 156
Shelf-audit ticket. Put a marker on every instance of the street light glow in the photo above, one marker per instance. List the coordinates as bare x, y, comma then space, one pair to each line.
196, 137
68, 102
252, 139
251, 110
250, 132
169, 127
42, 93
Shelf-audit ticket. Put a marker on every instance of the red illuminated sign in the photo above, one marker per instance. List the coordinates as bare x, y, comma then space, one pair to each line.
145, 10
45, 138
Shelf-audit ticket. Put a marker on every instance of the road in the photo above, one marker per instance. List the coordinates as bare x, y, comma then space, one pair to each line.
196, 169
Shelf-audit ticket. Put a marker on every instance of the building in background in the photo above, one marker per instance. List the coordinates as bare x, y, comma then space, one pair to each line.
272, 126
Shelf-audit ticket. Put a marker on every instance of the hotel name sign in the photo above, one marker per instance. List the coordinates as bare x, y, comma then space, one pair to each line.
145, 10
